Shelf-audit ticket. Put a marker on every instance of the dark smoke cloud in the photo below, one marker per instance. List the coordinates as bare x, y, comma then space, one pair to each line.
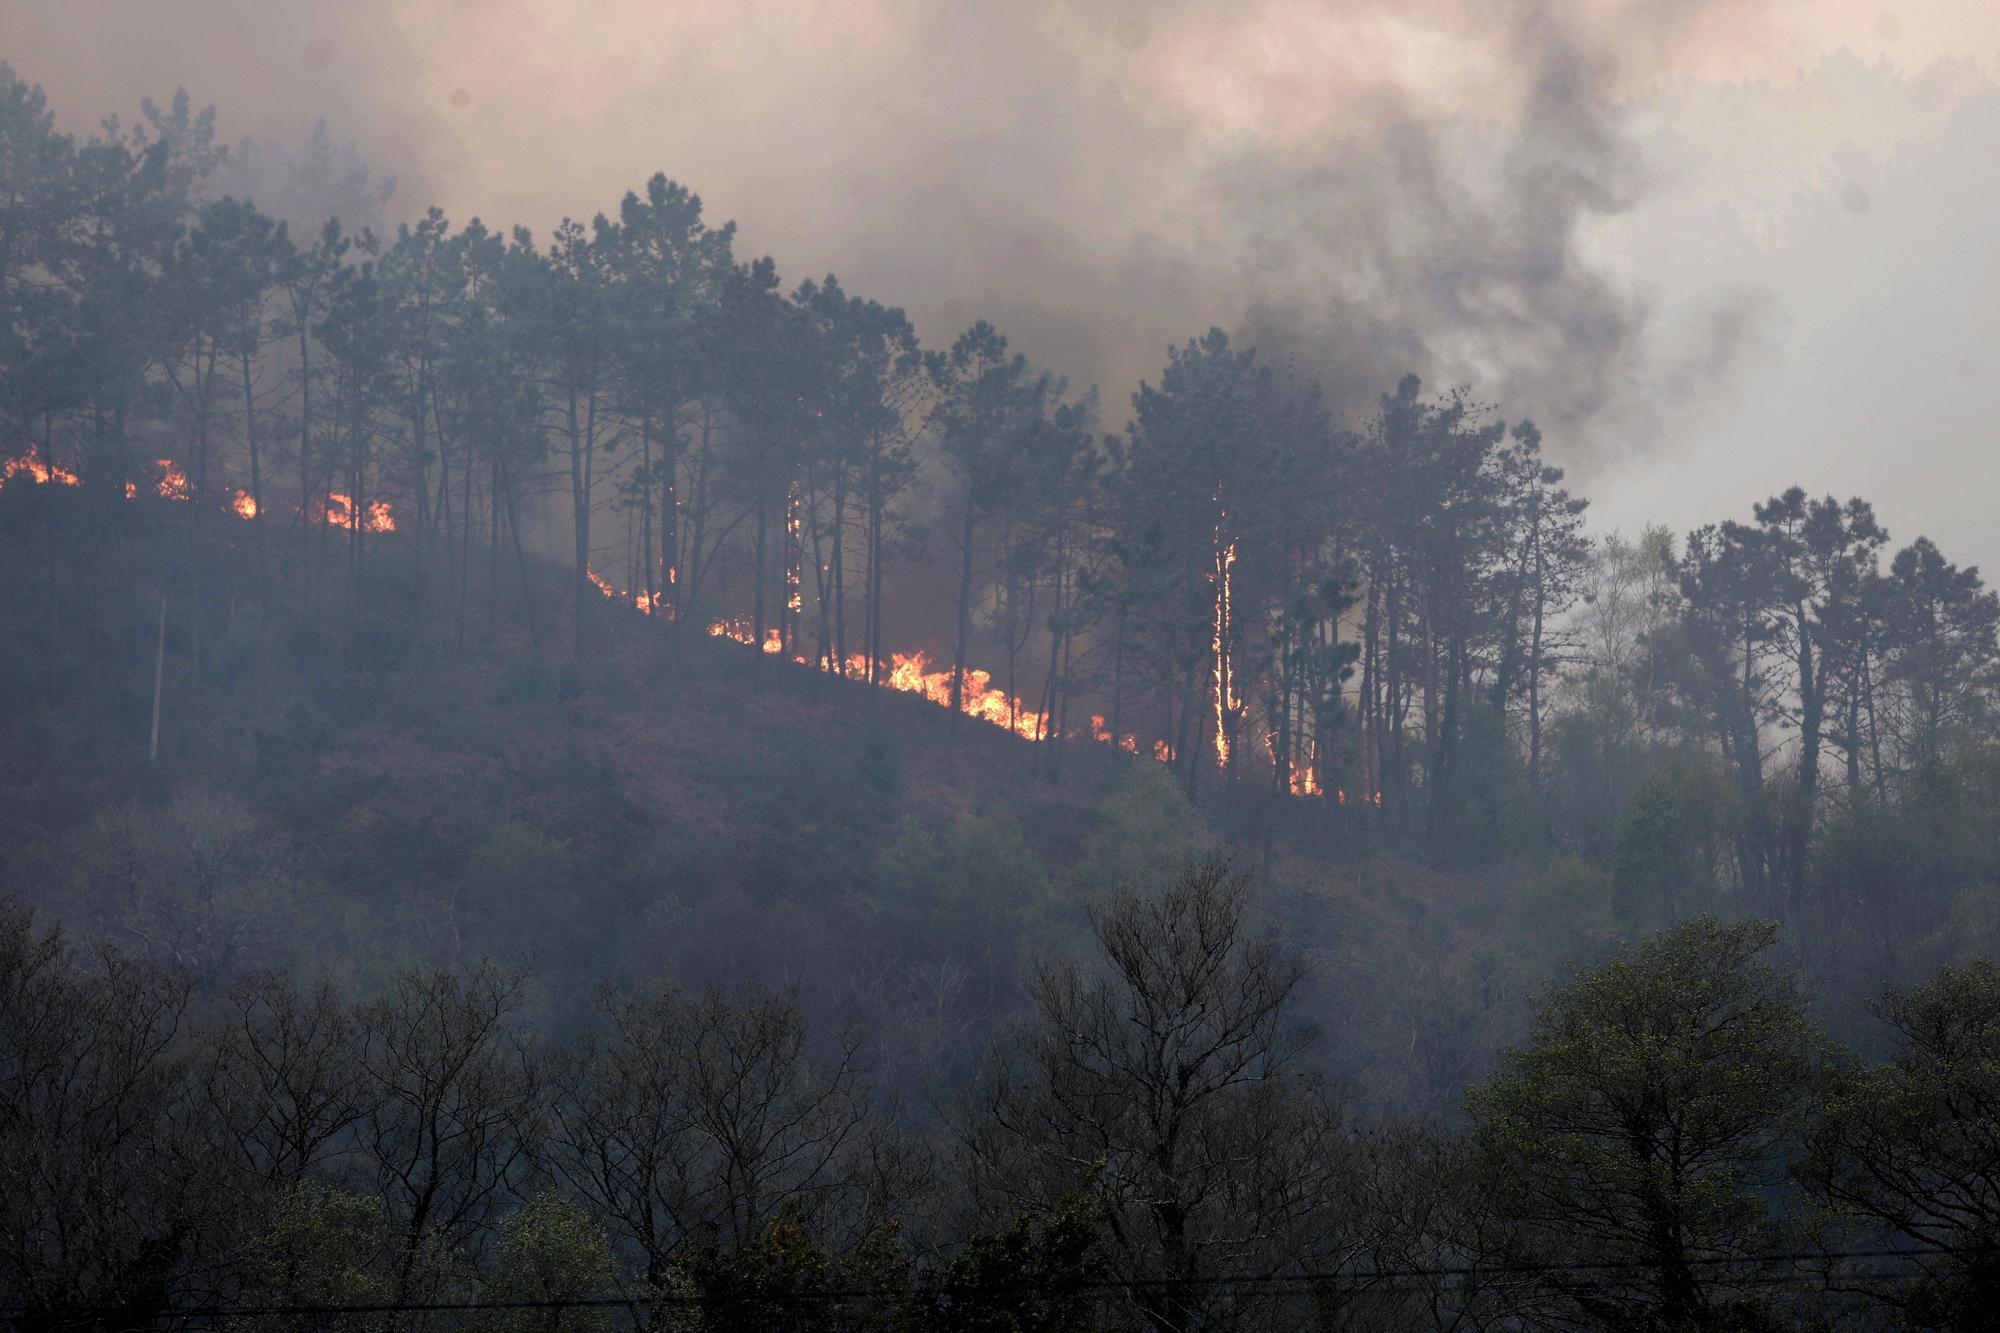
1364, 188
1455, 246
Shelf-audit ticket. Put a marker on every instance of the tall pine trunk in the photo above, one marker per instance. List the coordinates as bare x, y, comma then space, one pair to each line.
964, 636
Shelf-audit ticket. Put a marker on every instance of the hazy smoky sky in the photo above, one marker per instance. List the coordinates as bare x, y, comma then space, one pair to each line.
1712, 247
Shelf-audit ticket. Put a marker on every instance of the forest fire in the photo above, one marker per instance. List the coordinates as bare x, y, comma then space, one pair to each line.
1226, 705
339, 512
1100, 731
1301, 780
173, 484
912, 673
740, 631
643, 602
30, 464
909, 673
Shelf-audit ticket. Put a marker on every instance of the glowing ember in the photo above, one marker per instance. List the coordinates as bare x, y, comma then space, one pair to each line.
910, 673
644, 603
30, 465
1301, 780
739, 629
1100, 731
1225, 684
795, 554
340, 513
173, 483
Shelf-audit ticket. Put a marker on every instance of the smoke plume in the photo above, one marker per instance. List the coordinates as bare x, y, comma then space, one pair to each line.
1363, 188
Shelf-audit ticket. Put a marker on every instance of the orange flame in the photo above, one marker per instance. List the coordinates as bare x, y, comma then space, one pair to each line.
741, 632
794, 545
644, 603
340, 513
1100, 731
909, 673
173, 483
1300, 779
30, 465
1225, 684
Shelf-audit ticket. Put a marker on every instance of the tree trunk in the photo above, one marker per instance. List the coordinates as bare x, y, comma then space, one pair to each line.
840, 572
582, 433
204, 384
964, 635
256, 475
1535, 675
876, 501
646, 564
1812, 713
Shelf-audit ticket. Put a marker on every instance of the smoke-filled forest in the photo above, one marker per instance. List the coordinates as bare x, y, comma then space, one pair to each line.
584, 780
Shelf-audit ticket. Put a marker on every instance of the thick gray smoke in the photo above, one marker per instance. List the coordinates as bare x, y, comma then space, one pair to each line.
307, 183
1364, 188
1456, 247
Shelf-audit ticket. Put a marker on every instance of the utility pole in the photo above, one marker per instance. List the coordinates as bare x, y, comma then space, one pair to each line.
159, 678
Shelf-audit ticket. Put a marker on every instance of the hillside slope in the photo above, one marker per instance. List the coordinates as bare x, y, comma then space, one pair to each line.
344, 800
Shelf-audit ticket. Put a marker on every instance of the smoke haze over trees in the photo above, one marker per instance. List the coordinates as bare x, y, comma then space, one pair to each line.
573, 775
